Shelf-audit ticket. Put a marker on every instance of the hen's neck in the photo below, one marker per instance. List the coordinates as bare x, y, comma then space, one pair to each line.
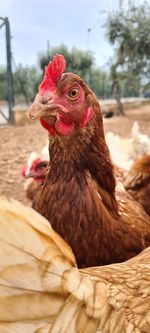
85, 152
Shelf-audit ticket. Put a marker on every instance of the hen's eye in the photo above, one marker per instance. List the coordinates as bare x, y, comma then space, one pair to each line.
73, 93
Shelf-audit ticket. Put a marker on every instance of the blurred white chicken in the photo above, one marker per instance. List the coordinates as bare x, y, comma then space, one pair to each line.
140, 142
45, 151
124, 151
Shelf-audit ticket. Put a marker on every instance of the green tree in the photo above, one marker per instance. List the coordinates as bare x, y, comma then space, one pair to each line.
3, 83
26, 80
100, 82
82, 63
129, 31
78, 61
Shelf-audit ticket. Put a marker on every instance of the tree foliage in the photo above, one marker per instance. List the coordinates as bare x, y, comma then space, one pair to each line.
100, 82
82, 63
129, 31
26, 80
3, 83
78, 61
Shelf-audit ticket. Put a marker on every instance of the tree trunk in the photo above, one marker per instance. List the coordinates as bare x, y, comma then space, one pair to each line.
120, 110
116, 95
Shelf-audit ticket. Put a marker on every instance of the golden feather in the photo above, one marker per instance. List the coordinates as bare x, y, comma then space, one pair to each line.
42, 290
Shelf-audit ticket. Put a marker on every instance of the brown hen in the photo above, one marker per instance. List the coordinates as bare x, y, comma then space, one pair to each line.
137, 182
78, 196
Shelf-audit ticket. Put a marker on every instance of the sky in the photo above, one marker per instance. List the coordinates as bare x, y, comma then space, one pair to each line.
34, 22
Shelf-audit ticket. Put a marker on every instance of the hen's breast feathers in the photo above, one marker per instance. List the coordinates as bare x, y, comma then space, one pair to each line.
79, 200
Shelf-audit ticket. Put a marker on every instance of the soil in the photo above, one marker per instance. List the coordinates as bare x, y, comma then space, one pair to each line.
17, 142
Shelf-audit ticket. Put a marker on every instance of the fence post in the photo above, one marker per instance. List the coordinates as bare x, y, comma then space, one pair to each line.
9, 72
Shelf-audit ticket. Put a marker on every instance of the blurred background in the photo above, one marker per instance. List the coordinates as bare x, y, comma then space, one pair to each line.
106, 43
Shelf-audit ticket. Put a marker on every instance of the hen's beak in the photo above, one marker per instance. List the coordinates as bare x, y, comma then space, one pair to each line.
44, 106
30, 175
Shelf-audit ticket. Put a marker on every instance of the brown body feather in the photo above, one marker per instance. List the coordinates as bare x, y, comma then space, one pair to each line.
137, 182
78, 198
31, 188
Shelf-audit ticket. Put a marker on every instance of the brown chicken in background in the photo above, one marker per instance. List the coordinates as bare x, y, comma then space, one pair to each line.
78, 196
119, 173
42, 290
137, 182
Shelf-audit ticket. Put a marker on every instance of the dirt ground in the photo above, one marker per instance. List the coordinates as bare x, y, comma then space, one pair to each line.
17, 142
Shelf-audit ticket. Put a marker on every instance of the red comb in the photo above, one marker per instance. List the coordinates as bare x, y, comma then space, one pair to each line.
53, 71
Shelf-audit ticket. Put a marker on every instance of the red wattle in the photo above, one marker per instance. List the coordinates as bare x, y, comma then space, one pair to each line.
88, 115
49, 128
64, 128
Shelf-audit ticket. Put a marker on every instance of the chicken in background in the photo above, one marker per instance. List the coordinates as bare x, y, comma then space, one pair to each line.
119, 155
35, 179
141, 142
34, 172
124, 151
45, 154
33, 160
137, 182
78, 196
42, 290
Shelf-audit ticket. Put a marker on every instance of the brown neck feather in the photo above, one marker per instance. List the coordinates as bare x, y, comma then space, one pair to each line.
85, 151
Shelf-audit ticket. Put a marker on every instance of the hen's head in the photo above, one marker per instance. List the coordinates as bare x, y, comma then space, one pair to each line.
35, 168
39, 171
33, 160
64, 101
